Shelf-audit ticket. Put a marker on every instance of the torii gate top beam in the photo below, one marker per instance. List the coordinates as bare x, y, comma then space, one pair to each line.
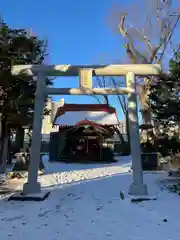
97, 70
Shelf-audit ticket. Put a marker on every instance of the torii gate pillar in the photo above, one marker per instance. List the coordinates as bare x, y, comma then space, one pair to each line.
32, 185
137, 188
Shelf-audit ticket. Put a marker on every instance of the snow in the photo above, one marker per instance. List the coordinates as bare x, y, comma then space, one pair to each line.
71, 118
85, 203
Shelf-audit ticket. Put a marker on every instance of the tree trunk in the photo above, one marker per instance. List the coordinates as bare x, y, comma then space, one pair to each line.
9, 155
19, 141
22, 162
4, 146
127, 127
1, 134
143, 98
146, 115
120, 135
157, 131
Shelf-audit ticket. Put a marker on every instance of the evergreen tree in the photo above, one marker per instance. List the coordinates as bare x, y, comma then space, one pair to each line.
164, 94
17, 46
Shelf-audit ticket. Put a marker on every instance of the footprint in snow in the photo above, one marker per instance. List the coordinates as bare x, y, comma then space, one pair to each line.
13, 218
78, 198
44, 213
71, 195
99, 208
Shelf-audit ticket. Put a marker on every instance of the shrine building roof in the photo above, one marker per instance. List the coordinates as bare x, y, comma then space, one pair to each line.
71, 114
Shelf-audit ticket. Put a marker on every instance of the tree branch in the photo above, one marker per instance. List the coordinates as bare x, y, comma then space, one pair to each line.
123, 104
134, 55
130, 49
101, 86
97, 99
168, 38
148, 42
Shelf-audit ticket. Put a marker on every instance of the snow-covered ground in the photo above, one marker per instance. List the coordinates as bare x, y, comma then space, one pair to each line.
85, 204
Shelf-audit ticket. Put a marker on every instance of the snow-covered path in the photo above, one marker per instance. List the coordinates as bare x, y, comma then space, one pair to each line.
92, 209
62, 173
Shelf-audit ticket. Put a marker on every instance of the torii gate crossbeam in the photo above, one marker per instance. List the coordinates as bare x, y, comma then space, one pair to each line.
130, 71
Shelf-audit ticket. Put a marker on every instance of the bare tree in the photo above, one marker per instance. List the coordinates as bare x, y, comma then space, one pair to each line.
102, 83
149, 40
123, 103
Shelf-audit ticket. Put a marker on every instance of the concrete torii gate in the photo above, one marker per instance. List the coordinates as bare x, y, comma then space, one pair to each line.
85, 73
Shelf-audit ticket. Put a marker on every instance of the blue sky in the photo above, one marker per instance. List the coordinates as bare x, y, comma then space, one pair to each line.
76, 32
75, 29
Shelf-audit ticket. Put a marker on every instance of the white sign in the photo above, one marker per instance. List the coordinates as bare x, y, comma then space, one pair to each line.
85, 78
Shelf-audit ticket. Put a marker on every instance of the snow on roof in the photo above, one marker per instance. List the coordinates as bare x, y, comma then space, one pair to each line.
71, 118
71, 114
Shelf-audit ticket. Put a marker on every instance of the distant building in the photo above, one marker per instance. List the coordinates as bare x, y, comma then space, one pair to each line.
47, 124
